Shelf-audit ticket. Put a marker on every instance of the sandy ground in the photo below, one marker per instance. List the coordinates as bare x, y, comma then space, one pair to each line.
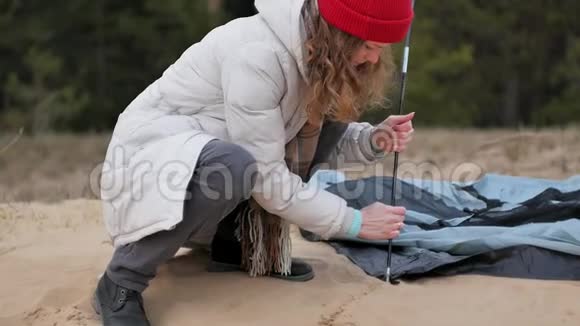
52, 254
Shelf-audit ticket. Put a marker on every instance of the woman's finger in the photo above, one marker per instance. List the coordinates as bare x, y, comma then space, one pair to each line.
394, 227
396, 210
406, 140
403, 135
399, 148
407, 126
390, 141
399, 119
395, 219
393, 234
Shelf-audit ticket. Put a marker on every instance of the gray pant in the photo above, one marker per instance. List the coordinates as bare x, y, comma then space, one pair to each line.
222, 179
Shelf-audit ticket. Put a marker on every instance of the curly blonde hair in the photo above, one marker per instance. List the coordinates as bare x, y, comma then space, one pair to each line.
337, 89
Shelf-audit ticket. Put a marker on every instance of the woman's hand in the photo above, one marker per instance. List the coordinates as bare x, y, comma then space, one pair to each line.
381, 222
393, 134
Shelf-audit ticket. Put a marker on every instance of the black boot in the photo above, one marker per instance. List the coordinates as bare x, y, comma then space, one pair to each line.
226, 254
117, 305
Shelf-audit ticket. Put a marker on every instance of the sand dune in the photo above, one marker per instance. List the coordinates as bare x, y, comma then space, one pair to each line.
52, 254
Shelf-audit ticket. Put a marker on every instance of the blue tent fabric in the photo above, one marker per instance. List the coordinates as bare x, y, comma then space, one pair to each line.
466, 224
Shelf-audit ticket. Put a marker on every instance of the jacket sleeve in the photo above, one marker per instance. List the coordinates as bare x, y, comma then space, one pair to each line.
253, 83
355, 146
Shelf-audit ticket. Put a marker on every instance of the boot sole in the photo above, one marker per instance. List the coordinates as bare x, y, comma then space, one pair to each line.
217, 267
299, 278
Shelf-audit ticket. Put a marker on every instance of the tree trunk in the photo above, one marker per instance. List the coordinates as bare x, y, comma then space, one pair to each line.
509, 114
214, 6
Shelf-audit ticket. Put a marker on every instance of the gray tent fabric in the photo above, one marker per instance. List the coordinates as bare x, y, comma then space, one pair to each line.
449, 224
520, 261
403, 263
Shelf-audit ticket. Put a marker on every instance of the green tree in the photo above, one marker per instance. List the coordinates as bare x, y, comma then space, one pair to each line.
482, 63
75, 65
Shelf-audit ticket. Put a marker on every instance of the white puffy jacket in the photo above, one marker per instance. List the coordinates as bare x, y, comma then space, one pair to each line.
244, 83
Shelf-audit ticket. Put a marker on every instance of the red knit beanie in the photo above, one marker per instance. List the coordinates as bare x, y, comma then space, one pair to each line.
384, 21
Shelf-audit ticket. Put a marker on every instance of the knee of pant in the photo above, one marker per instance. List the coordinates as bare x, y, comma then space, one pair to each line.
243, 170
238, 167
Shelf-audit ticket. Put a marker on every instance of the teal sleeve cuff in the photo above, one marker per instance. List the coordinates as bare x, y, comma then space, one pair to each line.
356, 225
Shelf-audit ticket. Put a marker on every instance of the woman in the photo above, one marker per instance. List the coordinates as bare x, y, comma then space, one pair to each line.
221, 126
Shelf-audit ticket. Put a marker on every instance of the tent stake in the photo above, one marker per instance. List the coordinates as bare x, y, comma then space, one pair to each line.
396, 164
